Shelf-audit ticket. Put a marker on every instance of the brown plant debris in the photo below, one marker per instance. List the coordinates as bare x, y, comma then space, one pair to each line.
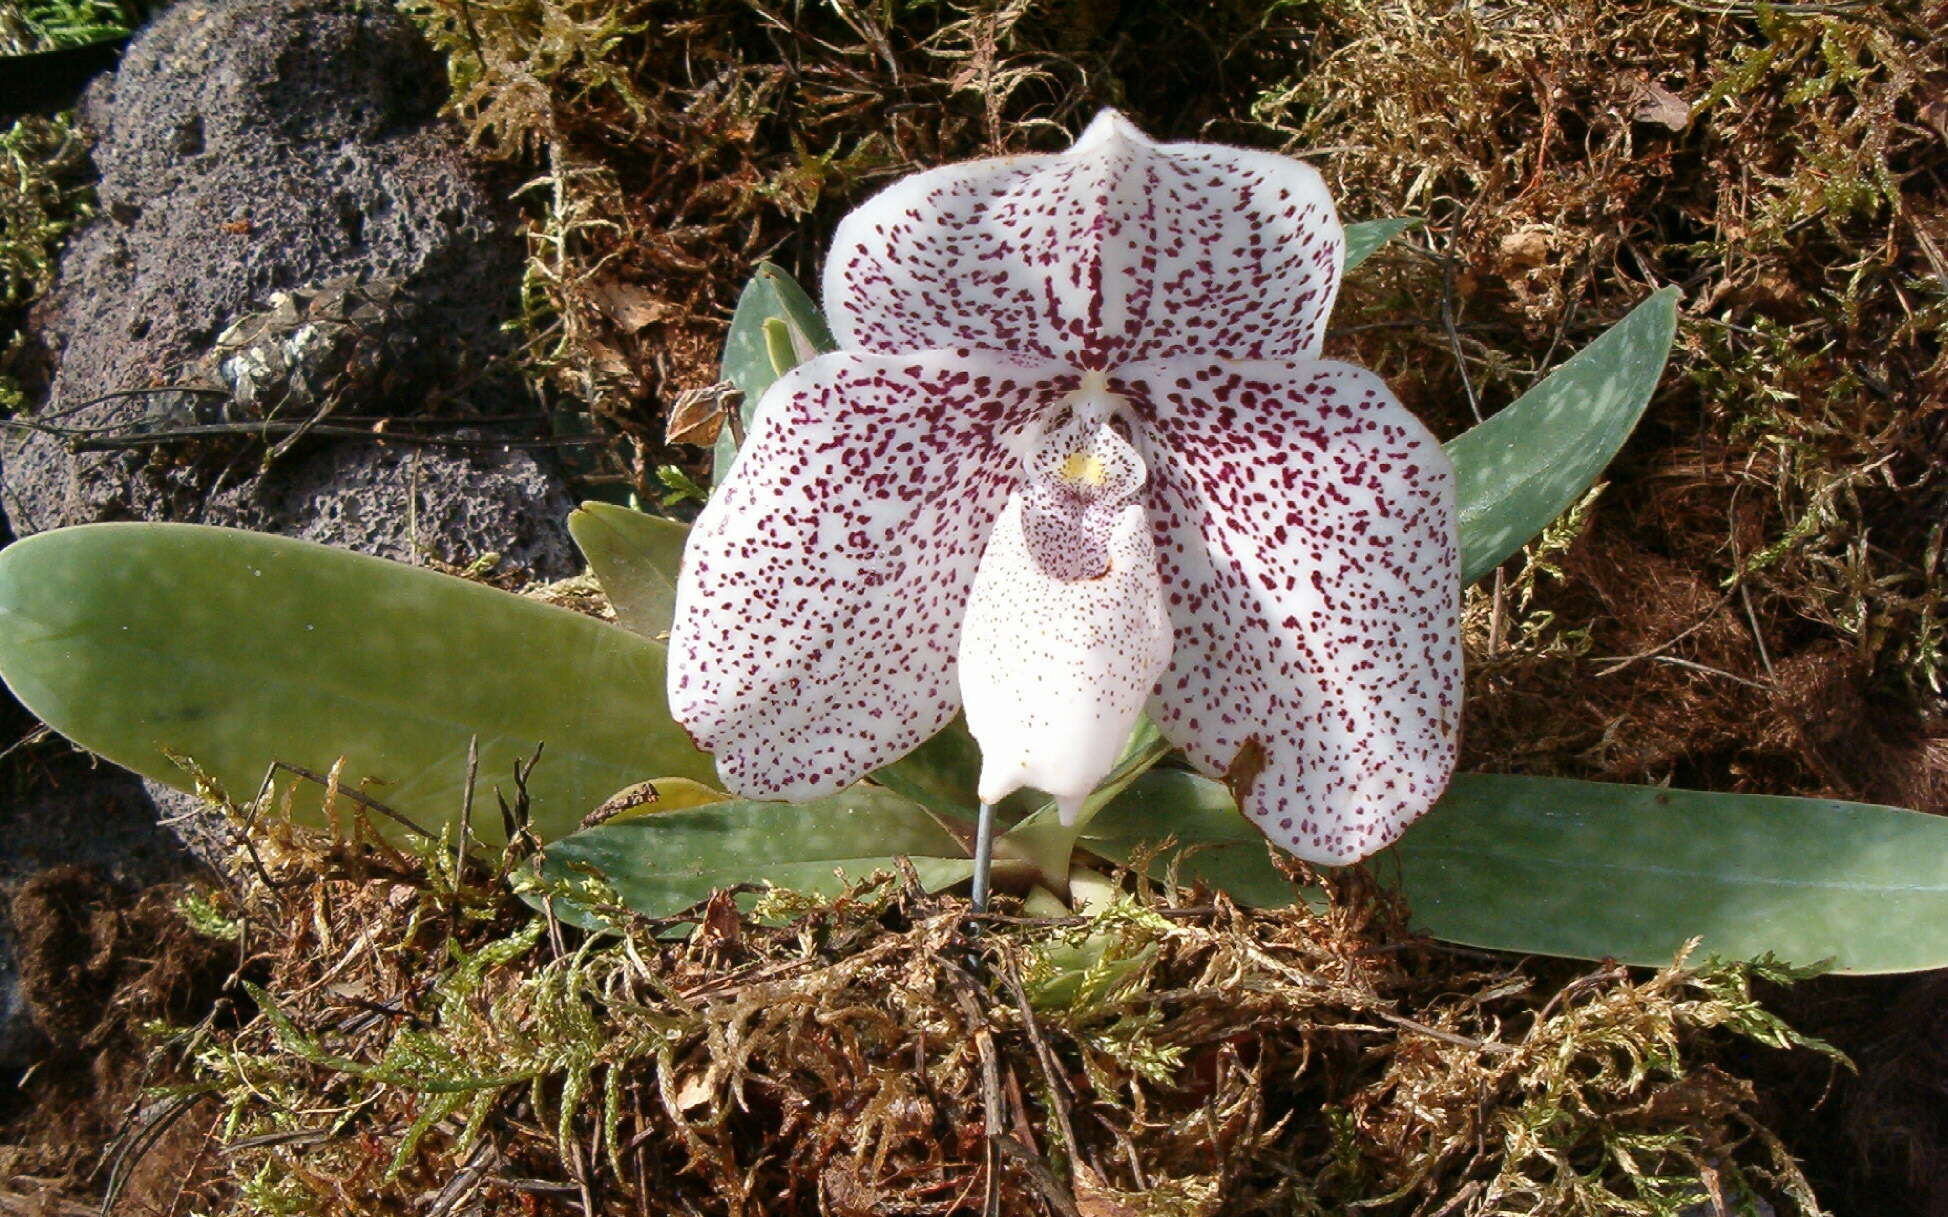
99, 966
431, 1044
1756, 600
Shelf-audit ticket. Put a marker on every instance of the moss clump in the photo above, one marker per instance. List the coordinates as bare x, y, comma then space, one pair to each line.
44, 195
425, 1035
27, 26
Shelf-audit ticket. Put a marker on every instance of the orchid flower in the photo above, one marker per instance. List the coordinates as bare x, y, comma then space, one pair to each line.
1078, 457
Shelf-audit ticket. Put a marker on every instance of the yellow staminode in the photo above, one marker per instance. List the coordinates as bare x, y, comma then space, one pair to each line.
1081, 469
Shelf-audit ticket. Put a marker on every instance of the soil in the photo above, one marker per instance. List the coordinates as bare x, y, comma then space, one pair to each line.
99, 961
61, 808
1875, 1141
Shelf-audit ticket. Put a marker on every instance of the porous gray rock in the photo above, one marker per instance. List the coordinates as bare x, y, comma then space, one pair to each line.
263, 161
250, 151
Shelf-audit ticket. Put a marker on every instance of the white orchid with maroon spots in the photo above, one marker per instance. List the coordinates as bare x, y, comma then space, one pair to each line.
1078, 457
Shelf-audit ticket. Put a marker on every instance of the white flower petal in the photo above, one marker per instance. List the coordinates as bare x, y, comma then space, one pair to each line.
1119, 249
1066, 630
819, 609
1307, 544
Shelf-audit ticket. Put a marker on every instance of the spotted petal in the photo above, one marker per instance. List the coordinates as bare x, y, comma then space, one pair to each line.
818, 612
1119, 249
1306, 541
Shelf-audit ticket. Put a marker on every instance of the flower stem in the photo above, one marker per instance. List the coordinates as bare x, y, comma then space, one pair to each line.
983, 856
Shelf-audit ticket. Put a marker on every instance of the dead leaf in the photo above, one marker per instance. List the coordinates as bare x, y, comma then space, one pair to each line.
692, 1092
1245, 767
609, 361
698, 414
1934, 112
1528, 247
1654, 104
629, 797
722, 923
631, 306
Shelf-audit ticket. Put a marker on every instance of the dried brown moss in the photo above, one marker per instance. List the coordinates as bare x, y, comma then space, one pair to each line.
44, 194
437, 1047
1770, 545
97, 964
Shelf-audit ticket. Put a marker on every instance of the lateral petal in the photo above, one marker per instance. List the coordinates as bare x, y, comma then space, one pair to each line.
1306, 539
1120, 249
818, 612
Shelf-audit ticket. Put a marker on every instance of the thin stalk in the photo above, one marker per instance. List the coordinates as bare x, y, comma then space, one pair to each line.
983, 856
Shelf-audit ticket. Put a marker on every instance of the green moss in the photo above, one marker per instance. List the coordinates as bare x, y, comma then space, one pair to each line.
27, 26
43, 196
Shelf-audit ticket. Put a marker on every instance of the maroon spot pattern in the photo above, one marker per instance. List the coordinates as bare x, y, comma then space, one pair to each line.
1066, 631
819, 612
1306, 540
1115, 251
1066, 524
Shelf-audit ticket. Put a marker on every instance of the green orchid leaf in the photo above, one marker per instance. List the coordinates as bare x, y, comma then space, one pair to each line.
662, 863
776, 326
1528, 464
941, 775
635, 558
1594, 870
1216, 845
1367, 236
944, 775
237, 649
1142, 750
